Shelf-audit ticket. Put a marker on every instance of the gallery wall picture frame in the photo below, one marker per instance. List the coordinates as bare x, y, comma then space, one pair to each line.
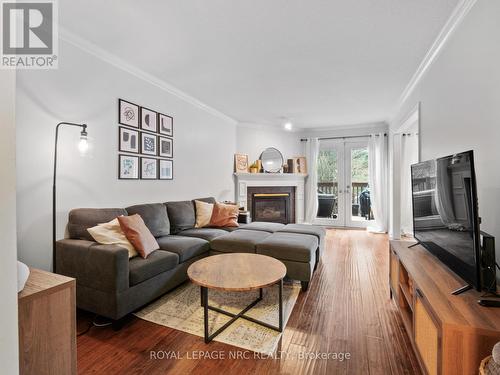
165, 125
128, 113
149, 120
149, 144
128, 167
165, 147
241, 163
165, 169
149, 169
128, 140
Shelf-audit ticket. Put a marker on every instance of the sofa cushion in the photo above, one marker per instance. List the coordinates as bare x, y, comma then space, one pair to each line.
232, 229
264, 226
205, 233
157, 262
240, 241
185, 247
181, 215
155, 217
289, 246
80, 219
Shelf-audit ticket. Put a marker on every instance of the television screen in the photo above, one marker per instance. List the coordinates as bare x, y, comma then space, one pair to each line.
445, 219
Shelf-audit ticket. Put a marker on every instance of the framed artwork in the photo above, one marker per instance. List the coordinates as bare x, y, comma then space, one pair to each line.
240, 163
148, 144
149, 169
128, 140
128, 113
166, 147
166, 124
128, 167
166, 169
149, 120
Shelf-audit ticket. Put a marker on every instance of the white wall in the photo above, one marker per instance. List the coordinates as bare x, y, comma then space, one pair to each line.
9, 358
86, 89
460, 104
253, 139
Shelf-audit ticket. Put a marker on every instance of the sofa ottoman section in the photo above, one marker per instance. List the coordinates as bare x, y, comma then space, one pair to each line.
313, 230
296, 251
240, 241
263, 226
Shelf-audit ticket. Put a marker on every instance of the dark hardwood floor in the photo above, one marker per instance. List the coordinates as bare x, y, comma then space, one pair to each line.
346, 310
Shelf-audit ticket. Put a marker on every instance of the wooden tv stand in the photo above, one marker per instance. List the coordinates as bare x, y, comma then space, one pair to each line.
450, 334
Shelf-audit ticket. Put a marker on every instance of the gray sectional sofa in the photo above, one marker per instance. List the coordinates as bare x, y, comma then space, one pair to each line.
112, 285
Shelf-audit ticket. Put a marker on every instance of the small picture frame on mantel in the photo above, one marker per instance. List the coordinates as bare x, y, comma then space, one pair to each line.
241, 163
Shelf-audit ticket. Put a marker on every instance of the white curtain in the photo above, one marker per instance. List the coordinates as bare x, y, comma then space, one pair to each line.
409, 156
312, 150
377, 179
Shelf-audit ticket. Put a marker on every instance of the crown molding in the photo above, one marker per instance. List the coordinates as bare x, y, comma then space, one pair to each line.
341, 127
114, 60
457, 16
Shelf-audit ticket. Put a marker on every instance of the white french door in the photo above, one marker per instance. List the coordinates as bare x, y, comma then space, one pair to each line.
343, 191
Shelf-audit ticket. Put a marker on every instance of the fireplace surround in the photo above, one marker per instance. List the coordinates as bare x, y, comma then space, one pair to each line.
294, 181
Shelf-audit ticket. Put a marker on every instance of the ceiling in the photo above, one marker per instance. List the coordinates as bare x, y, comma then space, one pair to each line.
319, 63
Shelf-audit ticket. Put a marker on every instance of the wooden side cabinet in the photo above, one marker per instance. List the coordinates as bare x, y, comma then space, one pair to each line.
47, 324
449, 334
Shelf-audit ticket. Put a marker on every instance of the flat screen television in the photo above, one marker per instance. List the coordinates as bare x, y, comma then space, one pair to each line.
445, 213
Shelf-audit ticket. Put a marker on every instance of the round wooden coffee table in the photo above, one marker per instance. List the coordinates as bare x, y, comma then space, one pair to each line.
237, 272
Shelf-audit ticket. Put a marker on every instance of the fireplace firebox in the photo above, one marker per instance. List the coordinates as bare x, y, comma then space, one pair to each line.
272, 204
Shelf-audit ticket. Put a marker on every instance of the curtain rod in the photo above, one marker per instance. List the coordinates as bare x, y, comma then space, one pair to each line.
350, 136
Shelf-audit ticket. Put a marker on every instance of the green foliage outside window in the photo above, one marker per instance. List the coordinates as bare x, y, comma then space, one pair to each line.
327, 166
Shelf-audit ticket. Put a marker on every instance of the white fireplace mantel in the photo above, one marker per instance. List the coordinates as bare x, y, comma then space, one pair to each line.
245, 180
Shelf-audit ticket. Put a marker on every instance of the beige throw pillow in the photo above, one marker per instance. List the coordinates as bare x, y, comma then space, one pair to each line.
111, 234
203, 213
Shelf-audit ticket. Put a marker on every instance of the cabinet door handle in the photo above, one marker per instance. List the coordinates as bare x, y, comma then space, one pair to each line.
419, 293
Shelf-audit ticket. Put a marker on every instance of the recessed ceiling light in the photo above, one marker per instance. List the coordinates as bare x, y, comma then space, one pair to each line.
288, 125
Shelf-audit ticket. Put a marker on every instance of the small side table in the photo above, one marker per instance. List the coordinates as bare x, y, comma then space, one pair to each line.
47, 324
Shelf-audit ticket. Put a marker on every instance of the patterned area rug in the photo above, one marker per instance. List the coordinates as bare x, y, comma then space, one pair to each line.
181, 309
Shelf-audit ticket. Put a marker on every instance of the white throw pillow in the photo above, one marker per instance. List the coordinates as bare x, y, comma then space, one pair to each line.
203, 213
111, 234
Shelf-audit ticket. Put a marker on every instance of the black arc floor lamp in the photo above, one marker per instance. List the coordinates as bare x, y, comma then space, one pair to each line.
83, 147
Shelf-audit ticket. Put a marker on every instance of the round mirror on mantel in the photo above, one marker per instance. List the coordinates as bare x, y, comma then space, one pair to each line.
272, 160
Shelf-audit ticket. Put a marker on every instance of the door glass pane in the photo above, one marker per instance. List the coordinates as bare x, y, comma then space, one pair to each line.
360, 191
328, 184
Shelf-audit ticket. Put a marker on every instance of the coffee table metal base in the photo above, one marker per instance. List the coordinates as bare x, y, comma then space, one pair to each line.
241, 314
